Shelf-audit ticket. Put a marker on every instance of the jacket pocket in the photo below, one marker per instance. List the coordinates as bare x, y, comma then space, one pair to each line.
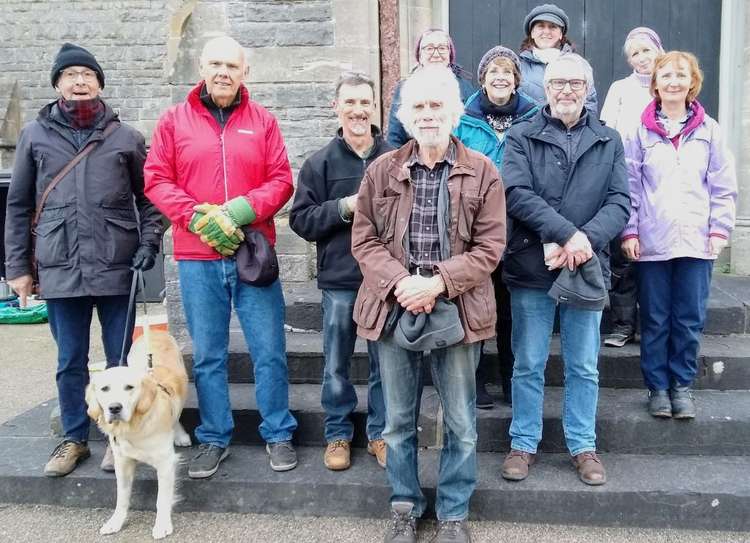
467, 212
479, 305
385, 216
51, 243
122, 240
367, 308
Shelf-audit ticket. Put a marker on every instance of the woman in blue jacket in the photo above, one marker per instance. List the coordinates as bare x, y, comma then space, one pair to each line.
434, 46
489, 113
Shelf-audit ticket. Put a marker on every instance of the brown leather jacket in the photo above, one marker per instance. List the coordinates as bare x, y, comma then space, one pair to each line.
477, 238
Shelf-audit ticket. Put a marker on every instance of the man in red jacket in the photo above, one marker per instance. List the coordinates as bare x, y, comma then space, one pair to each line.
218, 162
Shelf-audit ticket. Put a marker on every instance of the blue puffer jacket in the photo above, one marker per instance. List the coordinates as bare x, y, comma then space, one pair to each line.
532, 80
477, 134
396, 134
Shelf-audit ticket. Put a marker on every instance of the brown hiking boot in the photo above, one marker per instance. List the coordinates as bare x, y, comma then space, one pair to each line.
516, 465
65, 458
338, 455
108, 462
377, 448
590, 468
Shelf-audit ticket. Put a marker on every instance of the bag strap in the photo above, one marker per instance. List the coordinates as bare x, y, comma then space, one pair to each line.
69, 166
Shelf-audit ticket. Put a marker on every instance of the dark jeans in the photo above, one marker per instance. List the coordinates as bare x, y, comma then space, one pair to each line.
338, 396
673, 295
70, 323
624, 292
503, 329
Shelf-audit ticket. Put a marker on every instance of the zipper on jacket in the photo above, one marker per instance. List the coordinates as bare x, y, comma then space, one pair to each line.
224, 165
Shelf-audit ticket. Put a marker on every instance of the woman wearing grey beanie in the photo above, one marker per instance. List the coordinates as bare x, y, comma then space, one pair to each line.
546, 28
488, 114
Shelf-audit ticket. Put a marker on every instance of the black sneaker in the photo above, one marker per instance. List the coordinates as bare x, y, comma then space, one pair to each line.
282, 455
452, 531
619, 337
206, 462
484, 400
658, 404
683, 406
403, 526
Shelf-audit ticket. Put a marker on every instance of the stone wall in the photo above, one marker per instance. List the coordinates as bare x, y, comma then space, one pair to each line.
149, 49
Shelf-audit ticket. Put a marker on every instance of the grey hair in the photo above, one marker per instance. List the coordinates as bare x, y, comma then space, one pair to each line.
572, 58
354, 79
639, 37
430, 83
227, 40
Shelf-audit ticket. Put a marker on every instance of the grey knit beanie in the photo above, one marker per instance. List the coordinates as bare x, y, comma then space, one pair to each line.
546, 12
492, 54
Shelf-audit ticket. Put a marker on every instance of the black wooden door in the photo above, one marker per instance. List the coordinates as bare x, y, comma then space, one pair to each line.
597, 29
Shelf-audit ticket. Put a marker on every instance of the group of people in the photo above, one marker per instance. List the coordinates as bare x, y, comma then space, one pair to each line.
482, 213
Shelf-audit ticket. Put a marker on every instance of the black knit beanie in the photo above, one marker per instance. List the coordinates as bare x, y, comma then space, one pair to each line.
74, 55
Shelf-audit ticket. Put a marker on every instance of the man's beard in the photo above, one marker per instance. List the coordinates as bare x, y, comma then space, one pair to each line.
433, 138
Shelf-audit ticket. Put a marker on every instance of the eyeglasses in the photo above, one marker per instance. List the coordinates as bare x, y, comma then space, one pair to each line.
559, 84
72, 75
430, 50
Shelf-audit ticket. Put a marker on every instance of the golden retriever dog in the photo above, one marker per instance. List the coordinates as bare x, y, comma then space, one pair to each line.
139, 409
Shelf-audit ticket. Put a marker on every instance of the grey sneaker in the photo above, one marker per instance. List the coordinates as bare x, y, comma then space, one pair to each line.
204, 464
618, 338
683, 406
403, 526
452, 531
659, 404
108, 462
282, 455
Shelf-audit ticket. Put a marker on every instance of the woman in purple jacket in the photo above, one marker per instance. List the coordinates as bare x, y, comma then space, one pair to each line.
683, 190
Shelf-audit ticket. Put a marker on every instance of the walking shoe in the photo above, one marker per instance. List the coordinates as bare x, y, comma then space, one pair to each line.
338, 455
507, 385
590, 468
452, 531
282, 455
683, 406
619, 337
204, 464
484, 400
659, 404
377, 448
516, 465
108, 462
403, 526
66, 456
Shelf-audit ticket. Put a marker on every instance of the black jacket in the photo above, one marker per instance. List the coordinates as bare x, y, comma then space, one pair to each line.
93, 221
550, 197
332, 173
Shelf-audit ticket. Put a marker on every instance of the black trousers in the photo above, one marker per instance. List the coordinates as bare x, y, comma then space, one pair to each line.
503, 329
623, 295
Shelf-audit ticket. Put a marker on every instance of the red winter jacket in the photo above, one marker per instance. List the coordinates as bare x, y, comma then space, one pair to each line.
193, 161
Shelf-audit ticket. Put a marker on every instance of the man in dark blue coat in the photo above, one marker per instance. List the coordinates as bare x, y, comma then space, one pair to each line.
567, 196
322, 212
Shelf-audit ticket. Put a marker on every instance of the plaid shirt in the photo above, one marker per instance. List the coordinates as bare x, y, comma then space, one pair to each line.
424, 238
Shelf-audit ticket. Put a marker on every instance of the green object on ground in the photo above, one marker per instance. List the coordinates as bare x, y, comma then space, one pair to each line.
34, 314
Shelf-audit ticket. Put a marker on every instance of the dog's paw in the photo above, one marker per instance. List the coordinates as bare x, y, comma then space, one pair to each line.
113, 525
162, 529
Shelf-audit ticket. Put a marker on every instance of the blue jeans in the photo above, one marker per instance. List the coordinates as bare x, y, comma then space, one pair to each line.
673, 295
209, 289
338, 397
533, 319
70, 321
453, 371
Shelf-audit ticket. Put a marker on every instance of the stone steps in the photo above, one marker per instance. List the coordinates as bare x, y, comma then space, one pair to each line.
722, 426
688, 492
724, 362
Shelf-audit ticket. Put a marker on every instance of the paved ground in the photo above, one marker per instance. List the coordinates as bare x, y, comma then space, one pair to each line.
27, 367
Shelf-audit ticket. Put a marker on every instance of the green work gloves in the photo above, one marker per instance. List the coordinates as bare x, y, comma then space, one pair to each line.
219, 226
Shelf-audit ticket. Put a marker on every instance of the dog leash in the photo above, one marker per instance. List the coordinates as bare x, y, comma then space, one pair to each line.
137, 281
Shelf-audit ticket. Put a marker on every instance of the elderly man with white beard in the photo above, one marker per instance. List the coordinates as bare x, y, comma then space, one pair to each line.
429, 228
324, 205
567, 194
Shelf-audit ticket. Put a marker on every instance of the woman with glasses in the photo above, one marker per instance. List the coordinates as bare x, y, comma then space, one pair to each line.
683, 191
489, 113
546, 28
625, 101
434, 46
